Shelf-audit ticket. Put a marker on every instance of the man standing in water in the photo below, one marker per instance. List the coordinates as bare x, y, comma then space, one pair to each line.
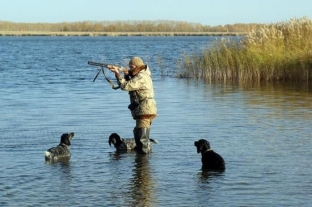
138, 82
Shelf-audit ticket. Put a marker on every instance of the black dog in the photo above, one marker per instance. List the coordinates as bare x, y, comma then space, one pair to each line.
60, 151
210, 159
122, 144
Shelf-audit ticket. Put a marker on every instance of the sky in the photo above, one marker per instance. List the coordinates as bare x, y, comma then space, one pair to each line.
205, 12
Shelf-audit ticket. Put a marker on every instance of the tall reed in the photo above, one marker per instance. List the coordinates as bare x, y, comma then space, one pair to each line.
276, 52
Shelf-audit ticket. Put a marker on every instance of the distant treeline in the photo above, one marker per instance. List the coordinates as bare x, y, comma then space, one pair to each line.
125, 26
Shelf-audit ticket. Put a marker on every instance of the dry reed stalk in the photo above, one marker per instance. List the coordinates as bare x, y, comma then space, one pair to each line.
276, 52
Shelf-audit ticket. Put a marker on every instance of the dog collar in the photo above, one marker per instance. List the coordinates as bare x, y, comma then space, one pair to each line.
207, 150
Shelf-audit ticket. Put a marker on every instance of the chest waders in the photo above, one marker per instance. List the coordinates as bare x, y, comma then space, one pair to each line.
141, 137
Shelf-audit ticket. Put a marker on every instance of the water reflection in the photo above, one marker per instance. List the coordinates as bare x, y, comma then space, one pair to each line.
142, 184
208, 183
277, 95
116, 155
61, 168
207, 175
62, 161
138, 190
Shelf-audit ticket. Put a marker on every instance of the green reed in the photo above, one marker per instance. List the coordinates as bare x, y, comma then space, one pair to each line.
277, 52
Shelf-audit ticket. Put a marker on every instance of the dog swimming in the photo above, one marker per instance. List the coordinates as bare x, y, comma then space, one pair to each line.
210, 159
124, 144
60, 151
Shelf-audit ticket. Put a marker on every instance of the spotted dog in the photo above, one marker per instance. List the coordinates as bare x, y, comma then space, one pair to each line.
60, 151
124, 144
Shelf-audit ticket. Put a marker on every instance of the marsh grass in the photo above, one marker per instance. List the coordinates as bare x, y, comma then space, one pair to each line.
277, 52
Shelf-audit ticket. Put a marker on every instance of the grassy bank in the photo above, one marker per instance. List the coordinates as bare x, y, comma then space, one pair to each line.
32, 33
277, 52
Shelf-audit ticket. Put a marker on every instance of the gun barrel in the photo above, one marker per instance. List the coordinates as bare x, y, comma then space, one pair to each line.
97, 64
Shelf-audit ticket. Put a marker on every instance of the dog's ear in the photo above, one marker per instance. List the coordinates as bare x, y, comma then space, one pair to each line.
198, 146
113, 139
65, 139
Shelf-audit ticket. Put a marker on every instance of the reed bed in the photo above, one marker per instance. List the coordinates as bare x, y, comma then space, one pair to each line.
276, 52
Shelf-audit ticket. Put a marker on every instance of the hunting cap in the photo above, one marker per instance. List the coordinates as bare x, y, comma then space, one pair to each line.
137, 61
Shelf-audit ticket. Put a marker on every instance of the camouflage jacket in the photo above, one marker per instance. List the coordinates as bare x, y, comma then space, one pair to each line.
141, 92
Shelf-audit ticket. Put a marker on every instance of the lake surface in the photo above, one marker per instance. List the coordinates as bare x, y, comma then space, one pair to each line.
262, 132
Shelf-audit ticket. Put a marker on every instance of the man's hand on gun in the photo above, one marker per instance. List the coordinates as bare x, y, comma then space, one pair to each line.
116, 69
113, 68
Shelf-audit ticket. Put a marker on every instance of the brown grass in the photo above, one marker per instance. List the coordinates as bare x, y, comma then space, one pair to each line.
34, 33
276, 52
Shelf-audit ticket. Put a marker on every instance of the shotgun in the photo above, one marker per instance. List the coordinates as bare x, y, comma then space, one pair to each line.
104, 65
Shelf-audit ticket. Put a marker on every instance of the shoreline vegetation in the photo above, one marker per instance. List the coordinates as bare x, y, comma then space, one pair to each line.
34, 33
276, 52
158, 27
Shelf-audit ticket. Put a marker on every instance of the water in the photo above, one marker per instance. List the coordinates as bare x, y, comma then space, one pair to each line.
263, 133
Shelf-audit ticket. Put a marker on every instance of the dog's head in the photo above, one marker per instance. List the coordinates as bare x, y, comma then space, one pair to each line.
115, 139
202, 145
66, 138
